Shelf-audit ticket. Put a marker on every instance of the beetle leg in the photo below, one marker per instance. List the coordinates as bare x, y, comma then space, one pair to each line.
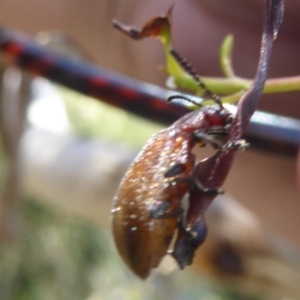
175, 170
238, 145
161, 211
219, 131
204, 138
188, 242
208, 191
193, 182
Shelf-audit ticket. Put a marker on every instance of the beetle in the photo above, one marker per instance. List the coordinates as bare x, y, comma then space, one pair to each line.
147, 207
147, 210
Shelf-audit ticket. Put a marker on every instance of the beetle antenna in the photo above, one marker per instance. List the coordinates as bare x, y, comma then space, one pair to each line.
190, 70
171, 98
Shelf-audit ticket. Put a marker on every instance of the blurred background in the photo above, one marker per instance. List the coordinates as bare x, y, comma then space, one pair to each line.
63, 156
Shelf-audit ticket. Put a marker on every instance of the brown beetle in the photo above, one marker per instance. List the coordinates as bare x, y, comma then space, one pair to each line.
147, 210
147, 207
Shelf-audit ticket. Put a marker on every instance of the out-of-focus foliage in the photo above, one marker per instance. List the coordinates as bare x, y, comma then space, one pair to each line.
93, 119
63, 258
52, 259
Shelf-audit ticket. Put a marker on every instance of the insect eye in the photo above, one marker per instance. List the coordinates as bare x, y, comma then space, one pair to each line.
175, 170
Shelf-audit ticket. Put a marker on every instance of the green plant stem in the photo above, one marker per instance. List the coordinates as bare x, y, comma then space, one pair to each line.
282, 85
226, 56
230, 87
234, 85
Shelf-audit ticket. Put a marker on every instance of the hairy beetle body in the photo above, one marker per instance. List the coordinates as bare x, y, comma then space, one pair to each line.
147, 208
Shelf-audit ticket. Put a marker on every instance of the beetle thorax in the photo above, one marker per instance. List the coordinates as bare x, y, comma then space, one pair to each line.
203, 120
